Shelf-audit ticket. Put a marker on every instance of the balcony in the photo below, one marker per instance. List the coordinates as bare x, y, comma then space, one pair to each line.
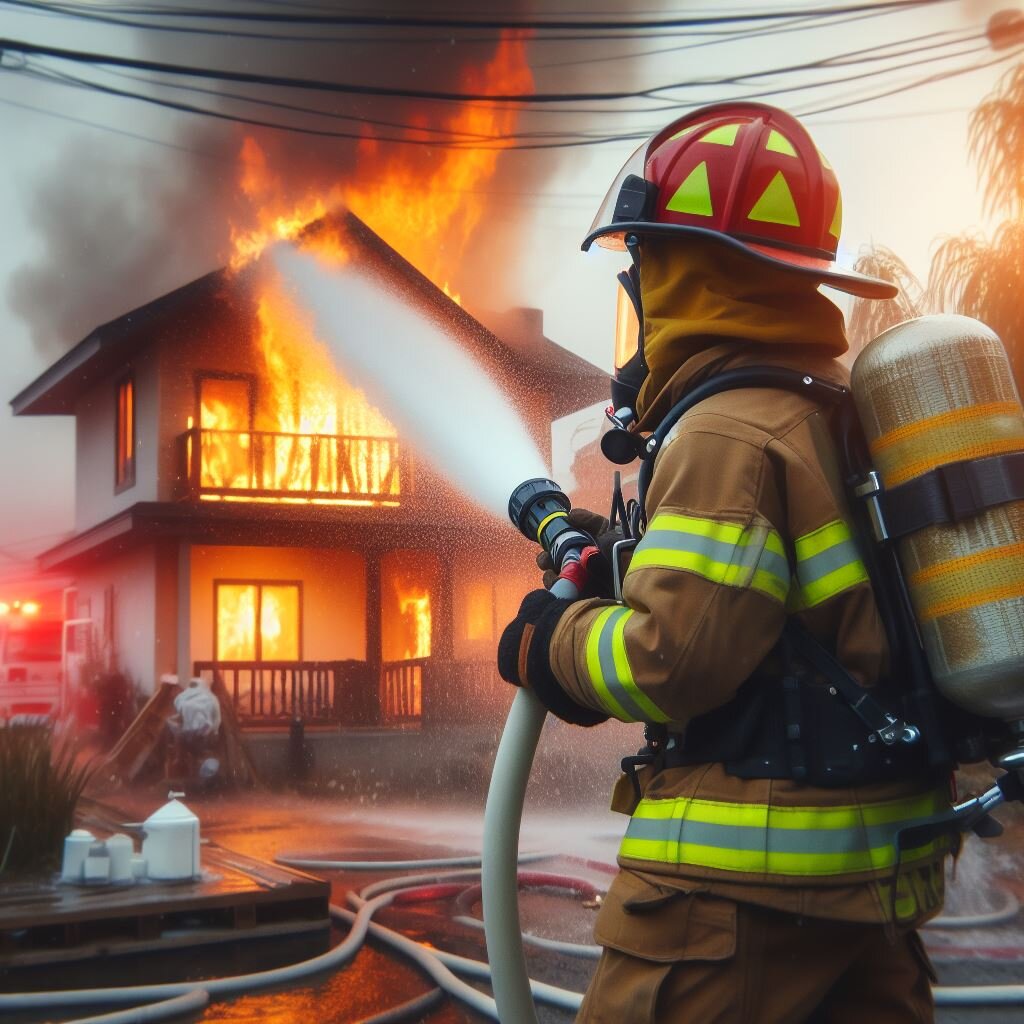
264, 465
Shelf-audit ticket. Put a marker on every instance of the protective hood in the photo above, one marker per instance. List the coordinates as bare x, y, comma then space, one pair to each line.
705, 304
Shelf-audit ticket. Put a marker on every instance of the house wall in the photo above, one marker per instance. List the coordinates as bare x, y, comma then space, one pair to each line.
333, 595
95, 444
488, 589
120, 595
214, 342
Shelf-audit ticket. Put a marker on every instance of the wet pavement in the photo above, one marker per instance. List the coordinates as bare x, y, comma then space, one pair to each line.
578, 840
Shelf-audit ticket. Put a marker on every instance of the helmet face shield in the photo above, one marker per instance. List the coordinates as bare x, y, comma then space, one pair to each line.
606, 211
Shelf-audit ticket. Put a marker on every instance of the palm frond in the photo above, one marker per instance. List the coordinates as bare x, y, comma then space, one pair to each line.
997, 143
869, 317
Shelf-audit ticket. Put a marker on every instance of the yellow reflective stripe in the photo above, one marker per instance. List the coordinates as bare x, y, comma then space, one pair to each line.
547, 519
778, 840
771, 862
624, 673
595, 672
725, 553
827, 564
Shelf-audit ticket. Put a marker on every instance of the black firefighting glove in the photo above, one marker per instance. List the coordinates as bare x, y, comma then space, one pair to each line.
523, 657
600, 570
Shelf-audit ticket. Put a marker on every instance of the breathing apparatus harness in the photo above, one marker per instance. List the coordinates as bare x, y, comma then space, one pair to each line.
803, 716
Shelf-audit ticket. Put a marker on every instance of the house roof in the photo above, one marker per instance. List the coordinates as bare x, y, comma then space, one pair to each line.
542, 364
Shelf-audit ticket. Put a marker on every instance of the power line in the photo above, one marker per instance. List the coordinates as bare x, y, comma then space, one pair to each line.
534, 24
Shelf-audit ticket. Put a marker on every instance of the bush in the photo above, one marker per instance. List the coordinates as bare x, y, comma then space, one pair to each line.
40, 783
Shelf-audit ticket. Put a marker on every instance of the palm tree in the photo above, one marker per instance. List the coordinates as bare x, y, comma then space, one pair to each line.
869, 317
970, 274
980, 277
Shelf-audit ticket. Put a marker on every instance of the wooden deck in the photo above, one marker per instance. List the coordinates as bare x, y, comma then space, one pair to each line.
238, 898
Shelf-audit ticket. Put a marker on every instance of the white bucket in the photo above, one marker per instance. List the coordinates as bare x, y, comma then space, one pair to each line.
171, 846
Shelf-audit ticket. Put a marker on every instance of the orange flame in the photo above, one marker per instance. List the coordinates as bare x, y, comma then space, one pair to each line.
317, 439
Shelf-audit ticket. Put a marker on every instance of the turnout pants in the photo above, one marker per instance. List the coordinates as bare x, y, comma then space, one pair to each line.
697, 958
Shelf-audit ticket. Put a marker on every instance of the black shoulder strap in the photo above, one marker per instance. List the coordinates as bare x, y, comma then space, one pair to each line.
731, 380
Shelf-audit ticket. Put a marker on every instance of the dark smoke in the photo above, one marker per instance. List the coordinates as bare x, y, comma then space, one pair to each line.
114, 237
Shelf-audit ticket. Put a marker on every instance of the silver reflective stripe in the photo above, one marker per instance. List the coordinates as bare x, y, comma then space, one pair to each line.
818, 566
746, 556
605, 653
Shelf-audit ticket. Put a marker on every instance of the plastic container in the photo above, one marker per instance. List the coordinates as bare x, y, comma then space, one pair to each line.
121, 849
76, 848
171, 846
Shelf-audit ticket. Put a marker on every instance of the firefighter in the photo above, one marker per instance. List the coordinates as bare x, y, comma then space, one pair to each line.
760, 879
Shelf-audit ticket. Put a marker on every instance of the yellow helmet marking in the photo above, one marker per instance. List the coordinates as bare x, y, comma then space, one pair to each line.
837, 218
776, 204
724, 135
694, 195
778, 143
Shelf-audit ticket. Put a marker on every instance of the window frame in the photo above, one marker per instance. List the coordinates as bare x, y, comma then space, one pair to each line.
259, 584
122, 482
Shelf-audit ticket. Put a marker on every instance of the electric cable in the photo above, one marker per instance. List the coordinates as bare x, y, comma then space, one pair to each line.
27, 49
92, 15
867, 54
534, 24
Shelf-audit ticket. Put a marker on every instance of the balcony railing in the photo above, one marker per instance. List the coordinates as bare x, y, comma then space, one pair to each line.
273, 465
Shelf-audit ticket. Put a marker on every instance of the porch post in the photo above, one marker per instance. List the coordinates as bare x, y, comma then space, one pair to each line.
184, 650
374, 638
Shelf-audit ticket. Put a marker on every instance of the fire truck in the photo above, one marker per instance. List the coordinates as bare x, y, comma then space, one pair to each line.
31, 663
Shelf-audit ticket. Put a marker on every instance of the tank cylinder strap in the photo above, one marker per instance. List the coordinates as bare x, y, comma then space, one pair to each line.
953, 492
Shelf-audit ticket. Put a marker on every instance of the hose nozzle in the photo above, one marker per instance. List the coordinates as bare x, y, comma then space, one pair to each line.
539, 509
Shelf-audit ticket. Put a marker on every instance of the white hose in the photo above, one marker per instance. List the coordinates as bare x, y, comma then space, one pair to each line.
1001, 915
978, 995
396, 865
499, 878
215, 987
584, 951
166, 1009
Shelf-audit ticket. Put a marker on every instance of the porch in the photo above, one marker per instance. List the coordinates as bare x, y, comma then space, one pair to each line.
346, 694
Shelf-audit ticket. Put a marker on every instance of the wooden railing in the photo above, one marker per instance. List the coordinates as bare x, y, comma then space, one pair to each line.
272, 464
276, 691
401, 691
348, 693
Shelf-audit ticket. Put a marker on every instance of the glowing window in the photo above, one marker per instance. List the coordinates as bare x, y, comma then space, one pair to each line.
275, 606
124, 465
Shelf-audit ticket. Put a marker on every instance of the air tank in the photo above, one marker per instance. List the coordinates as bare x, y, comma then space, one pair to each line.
933, 391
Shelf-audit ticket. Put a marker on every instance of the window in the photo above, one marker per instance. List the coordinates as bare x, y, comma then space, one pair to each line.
124, 467
225, 422
242, 604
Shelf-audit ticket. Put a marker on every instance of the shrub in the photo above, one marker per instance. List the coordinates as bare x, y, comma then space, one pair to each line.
40, 783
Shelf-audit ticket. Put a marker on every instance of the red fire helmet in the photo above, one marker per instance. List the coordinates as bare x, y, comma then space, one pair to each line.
744, 174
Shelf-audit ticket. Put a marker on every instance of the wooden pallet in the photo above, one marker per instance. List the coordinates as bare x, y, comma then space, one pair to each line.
237, 898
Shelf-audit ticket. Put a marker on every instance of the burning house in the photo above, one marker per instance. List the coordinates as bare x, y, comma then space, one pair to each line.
242, 509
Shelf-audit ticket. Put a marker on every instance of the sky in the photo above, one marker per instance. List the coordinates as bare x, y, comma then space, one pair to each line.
902, 162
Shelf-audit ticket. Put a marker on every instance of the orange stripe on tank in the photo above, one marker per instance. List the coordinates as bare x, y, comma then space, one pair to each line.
1006, 592
969, 451
957, 565
943, 419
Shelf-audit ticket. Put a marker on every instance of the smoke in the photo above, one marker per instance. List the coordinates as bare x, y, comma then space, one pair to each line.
116, 234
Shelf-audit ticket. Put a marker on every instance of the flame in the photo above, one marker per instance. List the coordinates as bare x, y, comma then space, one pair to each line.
415, 608
236, 622
315, 438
